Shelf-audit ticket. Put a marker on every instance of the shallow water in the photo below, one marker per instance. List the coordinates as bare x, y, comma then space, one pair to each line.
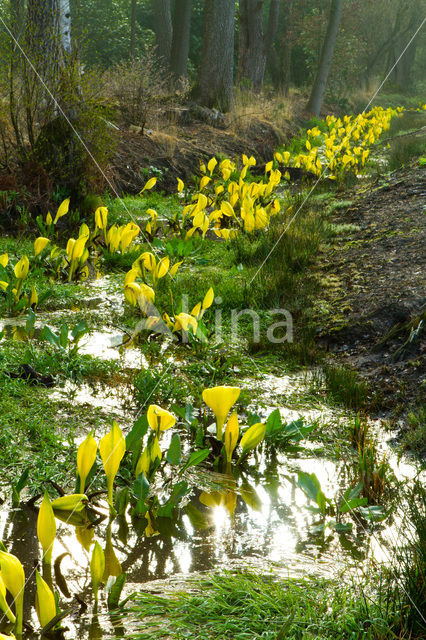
262, 521
259, 518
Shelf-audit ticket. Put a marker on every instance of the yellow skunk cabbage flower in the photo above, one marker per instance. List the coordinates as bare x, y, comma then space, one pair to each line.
151, 183
46, 528
173, 271
181, 185
97, 568
129, 233
33, 298
13, 576
73, 503
70, 247
21, 268
4, 259
86, 456
78, 248
231, 435
62, 210
204, 182
144, 463
196, 310
159, 419
4, 637
162, 268
211, 165
131, 276
220, 400
149, 529
3, 604
101, 218
40, 244
112, 448
45, 601
208, 298
252, 437
186, 322
49, 219
156, 452
147, 260
3, 285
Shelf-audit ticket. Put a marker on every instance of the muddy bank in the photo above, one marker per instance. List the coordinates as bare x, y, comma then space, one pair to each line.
377, 319
178, 153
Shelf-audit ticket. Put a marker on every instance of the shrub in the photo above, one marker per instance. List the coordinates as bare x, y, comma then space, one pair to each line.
139, 88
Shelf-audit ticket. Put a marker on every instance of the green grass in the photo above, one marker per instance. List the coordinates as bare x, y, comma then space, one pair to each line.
404, 150
414, 438
342, 385
122, 210
34, 435
247, 605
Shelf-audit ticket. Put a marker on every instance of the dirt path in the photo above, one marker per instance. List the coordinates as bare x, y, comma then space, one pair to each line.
381, 270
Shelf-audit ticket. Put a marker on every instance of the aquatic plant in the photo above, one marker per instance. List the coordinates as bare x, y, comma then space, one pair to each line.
112, 448
46, 528
221, 400
86, 456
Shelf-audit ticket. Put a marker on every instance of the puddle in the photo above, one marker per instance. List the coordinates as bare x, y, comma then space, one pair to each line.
108, 345
116, 402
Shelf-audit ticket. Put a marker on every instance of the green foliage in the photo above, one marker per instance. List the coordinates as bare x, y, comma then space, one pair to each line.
251, 605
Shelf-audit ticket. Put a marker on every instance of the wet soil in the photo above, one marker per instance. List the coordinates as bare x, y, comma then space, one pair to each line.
380, 299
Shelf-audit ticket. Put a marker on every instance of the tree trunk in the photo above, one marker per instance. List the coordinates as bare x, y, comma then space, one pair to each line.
216, 76
287, 48
180, 41
65, 24
132, 28
253, 44
44, 37
163, 30
401, 75
315, 101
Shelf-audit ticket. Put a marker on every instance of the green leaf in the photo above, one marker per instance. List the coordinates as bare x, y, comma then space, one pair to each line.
348, 505
79, 330
29, 324
134, 437
141, 487
274, 422
321, 501
174, 453
195, 516
53, 338
250, 497
195, 458
309, 483
23, 480
63, 335
353, 492
340, 527
115, 591
375, 513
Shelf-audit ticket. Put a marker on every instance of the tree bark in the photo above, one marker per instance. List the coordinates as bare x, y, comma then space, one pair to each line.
216, 76
402, 73
163, 30
254, 44
65, 24
287, 46
315, 101
180, 41
44, 36
132, 28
